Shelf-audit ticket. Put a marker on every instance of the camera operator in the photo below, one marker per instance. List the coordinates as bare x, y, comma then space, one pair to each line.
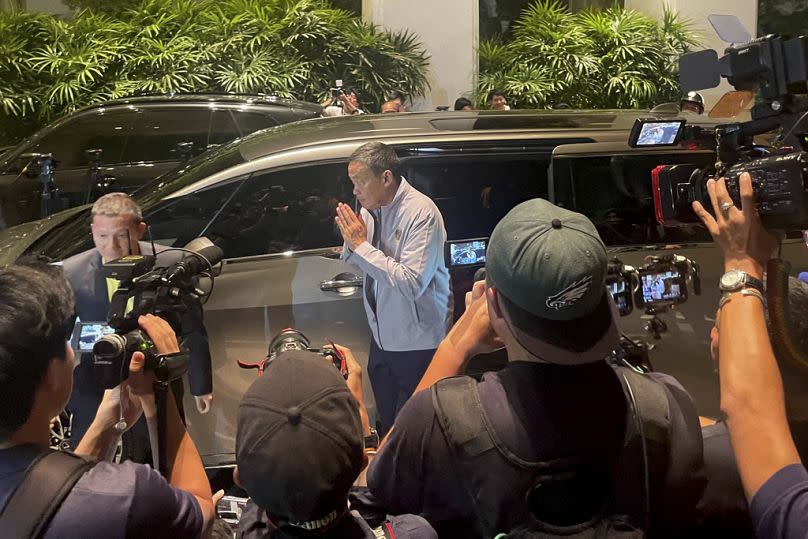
117, 228
303, 438
774, 480
99, 500
557, 403
723, 507
342, 103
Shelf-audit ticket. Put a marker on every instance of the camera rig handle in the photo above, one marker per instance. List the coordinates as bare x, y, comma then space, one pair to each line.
784, 342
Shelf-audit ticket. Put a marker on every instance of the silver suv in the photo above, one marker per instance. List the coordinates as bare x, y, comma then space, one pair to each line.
268, 200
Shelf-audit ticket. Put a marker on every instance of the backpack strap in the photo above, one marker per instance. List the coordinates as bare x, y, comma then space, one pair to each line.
643, 462
460, 414
46, 483
456, 401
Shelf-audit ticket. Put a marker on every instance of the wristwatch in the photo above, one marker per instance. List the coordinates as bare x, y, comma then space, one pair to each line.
372, 439
735, 280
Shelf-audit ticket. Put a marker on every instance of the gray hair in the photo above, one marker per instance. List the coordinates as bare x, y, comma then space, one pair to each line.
115, 204
378, 157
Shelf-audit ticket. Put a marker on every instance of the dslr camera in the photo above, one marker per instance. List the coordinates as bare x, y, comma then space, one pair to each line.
338, 89
292, 339
146, 288
775, 67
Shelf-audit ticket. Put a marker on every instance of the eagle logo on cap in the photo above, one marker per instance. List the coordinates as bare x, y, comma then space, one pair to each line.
570, 295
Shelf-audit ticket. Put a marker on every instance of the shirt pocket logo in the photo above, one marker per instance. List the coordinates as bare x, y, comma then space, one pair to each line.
397, 234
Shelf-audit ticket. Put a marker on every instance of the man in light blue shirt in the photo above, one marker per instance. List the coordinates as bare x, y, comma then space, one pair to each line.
397, 239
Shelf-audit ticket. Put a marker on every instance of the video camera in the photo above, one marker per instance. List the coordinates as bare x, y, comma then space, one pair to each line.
145, 288
290, 339
777, 69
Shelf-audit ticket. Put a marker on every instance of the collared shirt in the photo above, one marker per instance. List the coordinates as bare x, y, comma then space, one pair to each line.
413, 297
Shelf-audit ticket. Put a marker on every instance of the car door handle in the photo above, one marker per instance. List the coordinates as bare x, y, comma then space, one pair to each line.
341, 281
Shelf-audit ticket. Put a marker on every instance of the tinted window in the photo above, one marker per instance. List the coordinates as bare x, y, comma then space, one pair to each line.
250, 122
106, 131
176, 222
615, 193
157, 133
223, 127
474, 193
288, 210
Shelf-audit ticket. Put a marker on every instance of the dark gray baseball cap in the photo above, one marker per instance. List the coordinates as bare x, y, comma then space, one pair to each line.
551, 263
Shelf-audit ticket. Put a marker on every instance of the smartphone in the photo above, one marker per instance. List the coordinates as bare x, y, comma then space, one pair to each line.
85, 335
650, 133
619, 288
466, 253
665, 286
229, 509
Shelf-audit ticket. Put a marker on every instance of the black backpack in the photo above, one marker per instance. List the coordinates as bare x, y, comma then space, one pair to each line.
46, 483
624, 510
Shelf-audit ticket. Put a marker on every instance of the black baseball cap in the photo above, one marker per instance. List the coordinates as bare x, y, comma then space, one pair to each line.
299, 442
551, 263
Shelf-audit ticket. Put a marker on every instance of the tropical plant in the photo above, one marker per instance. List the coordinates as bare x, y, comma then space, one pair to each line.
292, 48
612, 58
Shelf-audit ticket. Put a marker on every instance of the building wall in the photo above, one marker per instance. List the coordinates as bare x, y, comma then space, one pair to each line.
449, 30
697, 11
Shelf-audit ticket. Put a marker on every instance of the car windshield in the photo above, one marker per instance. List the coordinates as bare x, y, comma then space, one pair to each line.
74, 236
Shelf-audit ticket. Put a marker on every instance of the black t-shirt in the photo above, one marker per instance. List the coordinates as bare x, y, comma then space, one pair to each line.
254, 524
540, 412
111, 501
722, 509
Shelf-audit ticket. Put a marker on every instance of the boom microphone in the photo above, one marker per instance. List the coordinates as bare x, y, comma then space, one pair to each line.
203, 256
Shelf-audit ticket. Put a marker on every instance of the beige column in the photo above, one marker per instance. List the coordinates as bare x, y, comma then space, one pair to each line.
449, 30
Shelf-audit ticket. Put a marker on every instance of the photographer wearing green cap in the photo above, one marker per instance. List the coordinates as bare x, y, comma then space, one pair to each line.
547, 443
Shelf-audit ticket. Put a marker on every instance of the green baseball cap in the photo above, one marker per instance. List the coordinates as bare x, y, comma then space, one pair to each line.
551, 263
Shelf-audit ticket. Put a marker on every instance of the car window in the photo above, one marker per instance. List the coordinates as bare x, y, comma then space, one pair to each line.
157, 133
223, 127
615, 193
287, 210
107, 131
175, 222
250, 122
474, 193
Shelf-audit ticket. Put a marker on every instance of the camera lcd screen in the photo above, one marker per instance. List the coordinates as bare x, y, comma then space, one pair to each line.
650, 133
87, 333
662, 287
466, 253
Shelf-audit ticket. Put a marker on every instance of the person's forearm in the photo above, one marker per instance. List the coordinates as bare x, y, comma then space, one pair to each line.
99, 442
449, 360
183, 464
752, 394
410, 276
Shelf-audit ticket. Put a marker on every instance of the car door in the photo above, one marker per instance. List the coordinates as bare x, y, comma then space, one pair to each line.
68, 141
611, 184
281, 269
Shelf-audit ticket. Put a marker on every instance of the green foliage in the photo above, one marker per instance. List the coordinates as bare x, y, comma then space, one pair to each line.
292, 48
612, 58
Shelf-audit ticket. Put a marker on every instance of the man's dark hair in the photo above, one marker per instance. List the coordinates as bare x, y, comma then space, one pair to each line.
494, 93
462, 102
36, 306
577, 335
798, 323
396, 94
378, 157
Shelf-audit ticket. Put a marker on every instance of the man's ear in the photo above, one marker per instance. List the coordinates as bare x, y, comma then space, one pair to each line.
492, 297
388, 177
141, 230
237, 477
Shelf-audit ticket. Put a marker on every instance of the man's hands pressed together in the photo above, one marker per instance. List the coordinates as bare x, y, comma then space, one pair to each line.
351, 226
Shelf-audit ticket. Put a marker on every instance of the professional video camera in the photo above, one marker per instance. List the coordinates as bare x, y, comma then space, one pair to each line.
291, 339
775, 67
338, 89
659, 284
149, 289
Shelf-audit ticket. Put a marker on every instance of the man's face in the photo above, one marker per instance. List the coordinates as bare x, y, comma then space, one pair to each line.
372, 191
352, 99
116, 235
498, 102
